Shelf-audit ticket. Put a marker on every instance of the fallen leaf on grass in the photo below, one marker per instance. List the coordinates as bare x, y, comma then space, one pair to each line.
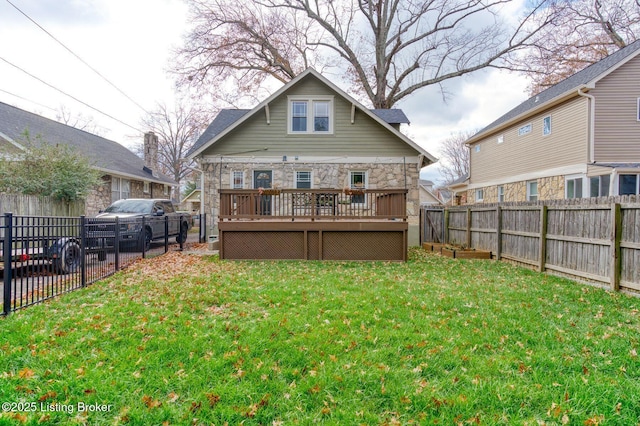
26, 373
213, 399
150, 402
48, 395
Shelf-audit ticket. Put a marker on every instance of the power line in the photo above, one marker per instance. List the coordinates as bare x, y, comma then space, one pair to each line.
71, 96
79, 58
29, 100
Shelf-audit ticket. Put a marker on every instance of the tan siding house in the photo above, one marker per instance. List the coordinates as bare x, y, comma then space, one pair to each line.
309, 134
579, 138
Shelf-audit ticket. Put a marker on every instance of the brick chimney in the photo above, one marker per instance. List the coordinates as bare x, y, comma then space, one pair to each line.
151, 152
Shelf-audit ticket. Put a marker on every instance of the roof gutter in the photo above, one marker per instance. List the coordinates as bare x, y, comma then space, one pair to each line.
592, 122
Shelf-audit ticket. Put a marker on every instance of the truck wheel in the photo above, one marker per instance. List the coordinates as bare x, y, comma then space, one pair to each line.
145, 240
69, 258
182, 236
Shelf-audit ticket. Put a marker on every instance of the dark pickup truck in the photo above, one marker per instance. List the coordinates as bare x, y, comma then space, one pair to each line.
139, 232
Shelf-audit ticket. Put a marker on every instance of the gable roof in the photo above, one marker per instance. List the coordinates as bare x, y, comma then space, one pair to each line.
105, 155
227, 120
584, 79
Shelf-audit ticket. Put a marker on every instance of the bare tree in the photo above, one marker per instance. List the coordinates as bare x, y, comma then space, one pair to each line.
387, 49
582, 33
235, 46
454, 156
79, 121
177, 129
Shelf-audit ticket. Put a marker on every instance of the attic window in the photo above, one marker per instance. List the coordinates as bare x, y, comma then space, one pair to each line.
524, 130
310, 115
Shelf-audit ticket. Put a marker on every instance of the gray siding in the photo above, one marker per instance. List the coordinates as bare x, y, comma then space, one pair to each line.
617, 129
566, 145
364, 138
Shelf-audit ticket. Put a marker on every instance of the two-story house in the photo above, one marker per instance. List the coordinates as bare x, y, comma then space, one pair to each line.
579, 138
124, 174
309, 135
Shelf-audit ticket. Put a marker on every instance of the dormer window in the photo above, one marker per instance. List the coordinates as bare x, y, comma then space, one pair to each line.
310, 115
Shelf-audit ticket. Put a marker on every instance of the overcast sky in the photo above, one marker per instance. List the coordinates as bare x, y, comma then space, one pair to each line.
129, 42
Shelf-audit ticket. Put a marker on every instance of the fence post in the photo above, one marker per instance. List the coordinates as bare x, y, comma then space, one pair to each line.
445, 231
469, 227
6, 249
166, 233
616, 236
143, 234
116, 243
83, 251
180, 220
203, 228
498, 232
542, 250
422, 227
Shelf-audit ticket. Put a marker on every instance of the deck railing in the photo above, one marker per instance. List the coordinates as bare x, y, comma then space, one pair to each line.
313, 204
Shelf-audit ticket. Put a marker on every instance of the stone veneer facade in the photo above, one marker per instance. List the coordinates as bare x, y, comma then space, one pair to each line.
333, 176
100, 197
549, 188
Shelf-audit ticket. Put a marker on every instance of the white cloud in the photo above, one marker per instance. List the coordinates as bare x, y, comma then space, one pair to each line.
127, 42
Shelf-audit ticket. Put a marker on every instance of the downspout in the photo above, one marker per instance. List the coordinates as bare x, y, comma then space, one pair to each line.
592, 123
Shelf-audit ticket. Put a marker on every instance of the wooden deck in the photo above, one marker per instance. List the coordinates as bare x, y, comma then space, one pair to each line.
324, 224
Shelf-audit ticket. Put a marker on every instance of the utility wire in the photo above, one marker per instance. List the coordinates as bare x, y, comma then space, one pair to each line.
71, 96
79, 58
29, 100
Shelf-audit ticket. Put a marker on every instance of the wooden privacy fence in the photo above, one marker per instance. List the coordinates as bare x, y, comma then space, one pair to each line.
594, 240
32, 205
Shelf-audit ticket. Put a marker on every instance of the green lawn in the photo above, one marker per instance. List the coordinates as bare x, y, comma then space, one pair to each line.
188, 340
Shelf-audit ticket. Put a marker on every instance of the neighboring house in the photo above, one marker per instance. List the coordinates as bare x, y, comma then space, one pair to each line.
191, 202
125, 174
309, 134
579, 138
429, 195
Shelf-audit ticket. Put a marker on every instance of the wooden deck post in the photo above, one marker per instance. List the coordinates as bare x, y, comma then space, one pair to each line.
616, 236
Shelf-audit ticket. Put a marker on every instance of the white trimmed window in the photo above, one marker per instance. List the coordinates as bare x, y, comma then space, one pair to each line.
120, 188
358, 181
532, 190
303, 179
237, 179
546, 125
479, 194
599, 186
525, 130
501, 194
146, 187
628, 184
573, 187
310, 115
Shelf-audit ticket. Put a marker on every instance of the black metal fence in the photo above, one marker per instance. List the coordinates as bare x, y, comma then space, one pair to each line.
43, 257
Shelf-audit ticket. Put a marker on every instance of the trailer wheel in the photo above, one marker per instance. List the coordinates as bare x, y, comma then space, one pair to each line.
69, 258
